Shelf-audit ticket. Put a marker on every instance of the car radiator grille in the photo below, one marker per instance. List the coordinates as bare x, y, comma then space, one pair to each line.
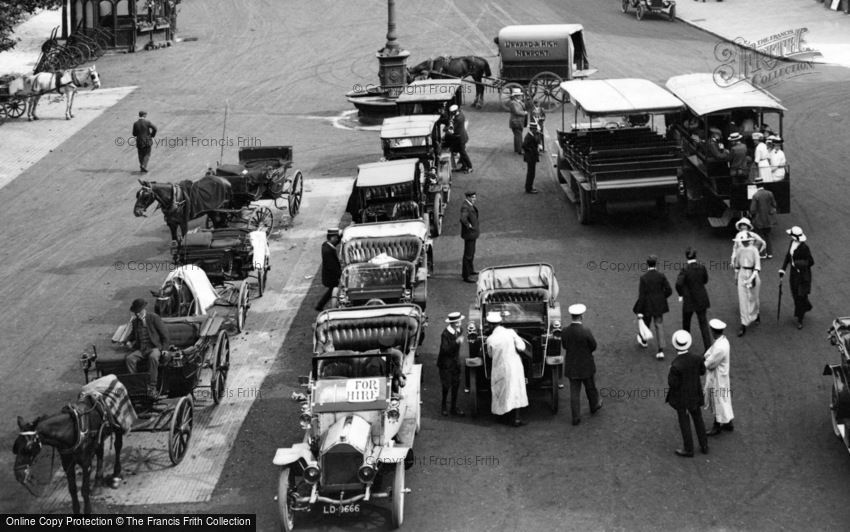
340, 465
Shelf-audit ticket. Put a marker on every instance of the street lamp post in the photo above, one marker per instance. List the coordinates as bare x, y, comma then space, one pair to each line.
392, 60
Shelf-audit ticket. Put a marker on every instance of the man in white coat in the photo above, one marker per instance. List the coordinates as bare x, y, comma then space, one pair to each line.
507, 378
717, 389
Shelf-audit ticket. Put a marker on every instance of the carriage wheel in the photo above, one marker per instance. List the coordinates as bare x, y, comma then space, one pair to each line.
641, 11
218, 381
671, 16
833, 412
437, 216
398, 496
295, 193
545, 91
181, 429
262, 219
505, 93
15, 107
555, 396
262, 274
624, 6
285, 485
242, 306
429, 256
473, 390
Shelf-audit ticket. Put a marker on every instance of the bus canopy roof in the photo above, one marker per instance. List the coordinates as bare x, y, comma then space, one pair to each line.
703, 95
621, 96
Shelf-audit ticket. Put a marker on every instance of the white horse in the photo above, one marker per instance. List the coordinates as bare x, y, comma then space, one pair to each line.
65, 82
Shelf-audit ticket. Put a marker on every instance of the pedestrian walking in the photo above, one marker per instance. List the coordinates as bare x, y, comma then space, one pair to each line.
331, 269
745, 228
579, 366
747, 265
651, 305
458, 138
144, 132
685, 394
763, 210
448, 361
531, 155
799, 258
507, 376
690, 285
517, 119
718, 391
469, 232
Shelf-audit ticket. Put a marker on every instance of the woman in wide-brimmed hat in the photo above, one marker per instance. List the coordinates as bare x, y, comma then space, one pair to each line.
747, 264
799, 258
745, 227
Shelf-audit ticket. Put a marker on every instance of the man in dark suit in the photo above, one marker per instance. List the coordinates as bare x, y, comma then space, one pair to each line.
531, 155
144, 132
763, 210
448, 361
579, 344
148, 337
685, 393
690, 285
469, 232
331, 269
799, 257
458, 138
651, 304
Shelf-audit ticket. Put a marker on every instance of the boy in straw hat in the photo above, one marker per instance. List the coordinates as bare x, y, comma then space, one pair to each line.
517, 119
685, 393
448, 361
718, 392
747, 264
799, 257
507, 377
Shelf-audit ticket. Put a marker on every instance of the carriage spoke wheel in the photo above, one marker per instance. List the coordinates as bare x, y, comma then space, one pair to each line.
218, 381
181, 429
398, 496
242, 306
285, 485
15, 107
545, 91
437, 215
555, 396
262, 275
295, 193
262, 219
505, 93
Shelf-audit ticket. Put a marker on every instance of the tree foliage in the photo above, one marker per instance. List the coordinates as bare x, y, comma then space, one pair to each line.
13, 12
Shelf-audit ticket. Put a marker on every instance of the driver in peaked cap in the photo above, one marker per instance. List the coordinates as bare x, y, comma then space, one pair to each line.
579, 366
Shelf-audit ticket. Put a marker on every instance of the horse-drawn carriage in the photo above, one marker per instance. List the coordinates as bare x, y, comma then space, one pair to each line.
525, 296
716, 109
229, 254
421, 136
385, 261
198, 357
187, 291
839, 403
655, 7
537, 58
360, 414
13, 100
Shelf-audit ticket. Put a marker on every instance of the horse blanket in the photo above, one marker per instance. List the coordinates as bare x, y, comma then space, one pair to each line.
208, 193
119, 409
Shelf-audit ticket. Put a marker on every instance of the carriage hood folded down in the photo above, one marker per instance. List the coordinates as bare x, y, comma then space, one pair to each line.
119, 409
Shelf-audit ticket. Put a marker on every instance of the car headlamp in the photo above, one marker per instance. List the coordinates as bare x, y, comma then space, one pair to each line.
366, 473
311, 473
393, 411
306, 420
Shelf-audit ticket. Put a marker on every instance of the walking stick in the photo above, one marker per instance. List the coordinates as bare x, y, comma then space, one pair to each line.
779, 303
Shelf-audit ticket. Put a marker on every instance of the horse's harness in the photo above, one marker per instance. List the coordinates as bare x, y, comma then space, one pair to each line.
82, 426
74, 80
177, 199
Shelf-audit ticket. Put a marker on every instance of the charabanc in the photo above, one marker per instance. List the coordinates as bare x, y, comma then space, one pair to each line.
385, 261
360, 414
666, 8
617, 149
536, 58
526, 298
260, 174
421, 136
228, 254
198, 357
839, 403
187, 291
717, 109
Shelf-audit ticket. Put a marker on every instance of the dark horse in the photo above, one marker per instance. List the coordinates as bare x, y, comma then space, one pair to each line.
455, 67
77, 432
184, 201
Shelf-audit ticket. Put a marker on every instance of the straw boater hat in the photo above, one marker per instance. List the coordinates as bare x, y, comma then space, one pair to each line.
681, 340
775, 138
494, 317
757, 136
735, 137
516, 91
138, 305
796, 233
716, 324
744, 221
577, 310
453, 108
454, 317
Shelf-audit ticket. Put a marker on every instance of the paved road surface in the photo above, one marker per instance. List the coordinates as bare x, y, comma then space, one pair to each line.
781, 468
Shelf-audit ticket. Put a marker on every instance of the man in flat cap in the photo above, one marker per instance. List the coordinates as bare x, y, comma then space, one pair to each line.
685, 394
579, 344
148, 337
507, 376
799, 258
331, 268
144, 132
717, 390
448, 361
651, 304
469, 232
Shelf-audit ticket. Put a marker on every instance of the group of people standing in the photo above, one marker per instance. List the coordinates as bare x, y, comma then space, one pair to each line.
528, 114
